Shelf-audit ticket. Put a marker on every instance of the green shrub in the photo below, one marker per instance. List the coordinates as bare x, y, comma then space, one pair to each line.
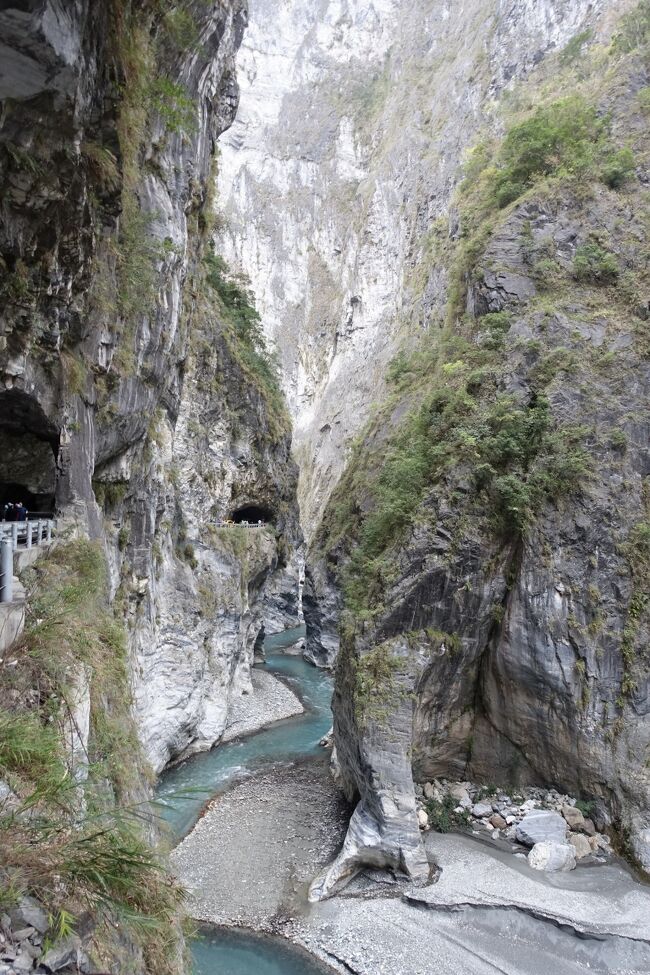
443, 817
181, 28
550, 364
172, 104
594, 265
189, 555
617, 168
486, 792
249, 346
102, 165
376, 693
618, 440
31, 751
573, 50
109, 494
546, 272
496, 324
634, 30
560, 136
83, 854
586, 806
496, 321
237, 302
515, 458
644, 99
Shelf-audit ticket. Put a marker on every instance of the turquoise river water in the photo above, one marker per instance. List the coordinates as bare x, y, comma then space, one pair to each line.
184, 790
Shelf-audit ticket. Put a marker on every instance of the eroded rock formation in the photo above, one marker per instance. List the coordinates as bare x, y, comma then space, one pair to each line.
511, 654
112, 335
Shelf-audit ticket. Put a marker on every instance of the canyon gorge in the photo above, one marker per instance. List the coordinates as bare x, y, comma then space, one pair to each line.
328, 317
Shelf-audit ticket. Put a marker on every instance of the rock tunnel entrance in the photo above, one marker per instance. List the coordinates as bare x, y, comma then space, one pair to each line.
252, 514
29, 446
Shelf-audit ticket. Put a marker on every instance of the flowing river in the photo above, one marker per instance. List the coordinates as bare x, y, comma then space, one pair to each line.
184, 790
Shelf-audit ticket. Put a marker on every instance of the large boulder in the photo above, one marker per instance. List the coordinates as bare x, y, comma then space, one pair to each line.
573, 816
482, 809
541, 826
552, 857
580, 844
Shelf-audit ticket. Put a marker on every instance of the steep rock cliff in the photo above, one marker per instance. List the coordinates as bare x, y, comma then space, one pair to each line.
353, 121
489, 538
119, 359
138, 402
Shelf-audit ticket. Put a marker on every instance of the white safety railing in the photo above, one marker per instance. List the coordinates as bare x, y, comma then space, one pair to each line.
25, 534
16, 536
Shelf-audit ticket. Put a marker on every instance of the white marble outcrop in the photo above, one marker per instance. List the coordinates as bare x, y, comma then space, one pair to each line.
341, 159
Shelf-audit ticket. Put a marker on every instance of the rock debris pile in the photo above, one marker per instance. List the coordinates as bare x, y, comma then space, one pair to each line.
24, 945
544, 826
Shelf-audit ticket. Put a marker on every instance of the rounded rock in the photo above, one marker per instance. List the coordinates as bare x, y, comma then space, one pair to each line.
552, 857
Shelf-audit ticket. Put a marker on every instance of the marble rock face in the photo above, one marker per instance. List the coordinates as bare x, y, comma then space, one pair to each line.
535, 699
128, 402
541, 826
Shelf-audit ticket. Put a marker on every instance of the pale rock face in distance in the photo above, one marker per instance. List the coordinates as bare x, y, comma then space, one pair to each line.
340, 160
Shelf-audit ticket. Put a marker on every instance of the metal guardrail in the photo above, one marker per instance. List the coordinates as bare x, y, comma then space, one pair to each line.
16, 536
241, 524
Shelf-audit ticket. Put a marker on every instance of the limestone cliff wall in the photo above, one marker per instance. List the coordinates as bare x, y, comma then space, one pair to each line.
116, 355
353, 122
495, 610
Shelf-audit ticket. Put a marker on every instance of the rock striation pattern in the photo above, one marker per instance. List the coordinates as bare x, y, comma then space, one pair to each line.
116, 358
471, 648
353, 122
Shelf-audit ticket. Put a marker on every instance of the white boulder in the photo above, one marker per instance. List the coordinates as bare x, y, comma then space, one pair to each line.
552, 857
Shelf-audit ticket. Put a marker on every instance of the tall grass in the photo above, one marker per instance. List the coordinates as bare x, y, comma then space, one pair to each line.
79, 839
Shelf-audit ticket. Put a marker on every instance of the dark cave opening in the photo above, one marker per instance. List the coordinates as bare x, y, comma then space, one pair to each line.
29, 446
252, 514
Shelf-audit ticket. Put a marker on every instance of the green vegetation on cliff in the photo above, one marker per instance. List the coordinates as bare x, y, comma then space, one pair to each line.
469, 418
235, 306
244, 334
76, 833
510, 455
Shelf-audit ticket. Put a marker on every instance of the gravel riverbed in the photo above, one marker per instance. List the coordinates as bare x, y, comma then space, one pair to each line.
270, 701
251, 857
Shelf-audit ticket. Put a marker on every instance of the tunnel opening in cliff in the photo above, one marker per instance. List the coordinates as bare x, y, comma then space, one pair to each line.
29, 446
252, 514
